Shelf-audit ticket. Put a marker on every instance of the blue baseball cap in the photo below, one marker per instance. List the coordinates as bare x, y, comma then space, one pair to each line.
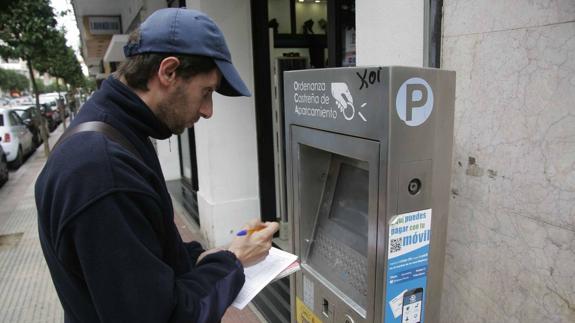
184, 31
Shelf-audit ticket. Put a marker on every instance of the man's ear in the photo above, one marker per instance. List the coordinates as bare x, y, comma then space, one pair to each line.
167, 70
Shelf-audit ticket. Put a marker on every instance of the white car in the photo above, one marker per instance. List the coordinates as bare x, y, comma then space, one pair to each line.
16, 138
22, 100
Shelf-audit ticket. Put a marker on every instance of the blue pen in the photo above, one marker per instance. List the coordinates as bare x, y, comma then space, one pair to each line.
248, 231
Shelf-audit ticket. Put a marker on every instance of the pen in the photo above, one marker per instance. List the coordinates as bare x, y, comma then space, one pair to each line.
249, 231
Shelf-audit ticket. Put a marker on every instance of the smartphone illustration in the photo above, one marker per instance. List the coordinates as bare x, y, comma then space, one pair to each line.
412, 305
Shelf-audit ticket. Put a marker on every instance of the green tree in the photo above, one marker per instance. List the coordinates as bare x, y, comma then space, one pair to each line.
90, 84
12, 81
24, 25
45, 88
52, 87
60, 62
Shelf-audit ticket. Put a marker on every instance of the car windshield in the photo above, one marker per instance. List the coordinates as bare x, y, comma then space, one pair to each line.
24, 114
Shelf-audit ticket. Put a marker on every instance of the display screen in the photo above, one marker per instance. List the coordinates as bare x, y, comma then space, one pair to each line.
339, 248
349, 205
411, 309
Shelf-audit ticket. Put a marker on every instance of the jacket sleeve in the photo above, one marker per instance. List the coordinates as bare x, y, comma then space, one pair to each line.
194, 249
120, 259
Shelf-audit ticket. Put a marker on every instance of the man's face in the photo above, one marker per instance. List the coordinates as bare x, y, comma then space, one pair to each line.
188, 100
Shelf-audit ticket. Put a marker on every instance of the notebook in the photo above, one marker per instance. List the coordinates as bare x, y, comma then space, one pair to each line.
276, 265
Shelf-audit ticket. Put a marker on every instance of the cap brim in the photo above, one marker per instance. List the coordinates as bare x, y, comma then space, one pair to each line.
232, 84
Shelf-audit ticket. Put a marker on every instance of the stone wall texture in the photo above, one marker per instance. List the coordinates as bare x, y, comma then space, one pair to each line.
511, 236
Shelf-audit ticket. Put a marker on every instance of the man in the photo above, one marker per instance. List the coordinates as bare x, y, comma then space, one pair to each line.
105, 216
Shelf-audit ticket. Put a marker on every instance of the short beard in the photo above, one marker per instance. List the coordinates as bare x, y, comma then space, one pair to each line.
166, 114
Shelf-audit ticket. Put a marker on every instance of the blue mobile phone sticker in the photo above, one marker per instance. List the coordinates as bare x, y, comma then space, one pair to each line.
407, 265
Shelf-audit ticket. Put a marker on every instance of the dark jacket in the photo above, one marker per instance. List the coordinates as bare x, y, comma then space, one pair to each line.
107, 228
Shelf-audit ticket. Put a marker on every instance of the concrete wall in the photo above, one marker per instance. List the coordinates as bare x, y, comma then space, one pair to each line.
149, 6
130, 10
226, 144
511, 235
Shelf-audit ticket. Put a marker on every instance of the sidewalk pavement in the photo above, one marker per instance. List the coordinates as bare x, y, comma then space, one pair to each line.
26, 290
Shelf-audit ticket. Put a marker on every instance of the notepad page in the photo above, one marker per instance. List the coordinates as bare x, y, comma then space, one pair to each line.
295, 266
261, 274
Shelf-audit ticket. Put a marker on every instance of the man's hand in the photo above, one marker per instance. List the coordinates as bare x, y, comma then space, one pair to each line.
251, 248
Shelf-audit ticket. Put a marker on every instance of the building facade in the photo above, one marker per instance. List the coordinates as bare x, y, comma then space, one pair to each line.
511, 237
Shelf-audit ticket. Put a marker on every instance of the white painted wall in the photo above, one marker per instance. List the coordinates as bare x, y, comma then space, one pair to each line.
389, 32
226, 144
169, 157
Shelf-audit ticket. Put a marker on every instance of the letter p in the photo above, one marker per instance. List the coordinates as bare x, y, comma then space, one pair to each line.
416, 97
414, 101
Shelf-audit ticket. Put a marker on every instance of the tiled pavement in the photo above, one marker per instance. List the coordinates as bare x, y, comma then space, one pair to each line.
26, 290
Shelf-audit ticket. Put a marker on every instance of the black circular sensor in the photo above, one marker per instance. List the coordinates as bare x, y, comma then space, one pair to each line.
414, 186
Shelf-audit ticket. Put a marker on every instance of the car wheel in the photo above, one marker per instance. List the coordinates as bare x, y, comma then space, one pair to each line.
16, 163
3, 170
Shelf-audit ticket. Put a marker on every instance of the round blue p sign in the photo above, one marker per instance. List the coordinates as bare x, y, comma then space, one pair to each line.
414, 101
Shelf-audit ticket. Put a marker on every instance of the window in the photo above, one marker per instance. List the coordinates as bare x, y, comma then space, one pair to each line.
24, 114
15, 119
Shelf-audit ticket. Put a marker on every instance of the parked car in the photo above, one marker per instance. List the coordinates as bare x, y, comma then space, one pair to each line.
3, 166
31, 118
50, 113
22, 100
16, 137
50, 97
4, 101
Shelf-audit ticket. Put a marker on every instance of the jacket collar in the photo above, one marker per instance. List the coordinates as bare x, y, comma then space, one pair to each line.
119, 101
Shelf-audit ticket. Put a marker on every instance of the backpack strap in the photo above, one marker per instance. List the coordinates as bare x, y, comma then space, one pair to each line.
101, 127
